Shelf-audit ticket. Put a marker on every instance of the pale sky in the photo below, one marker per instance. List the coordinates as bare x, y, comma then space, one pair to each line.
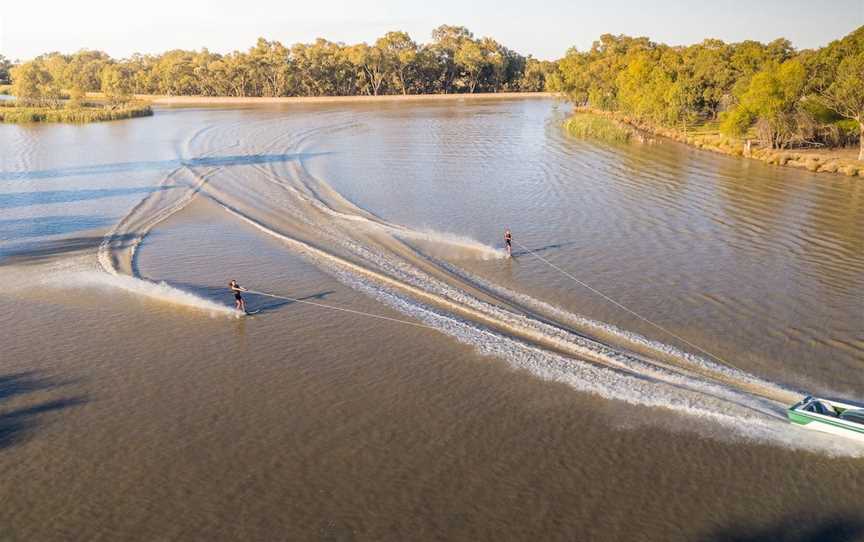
543, 28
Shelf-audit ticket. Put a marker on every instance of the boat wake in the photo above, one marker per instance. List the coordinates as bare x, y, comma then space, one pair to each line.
413, 272
157, 291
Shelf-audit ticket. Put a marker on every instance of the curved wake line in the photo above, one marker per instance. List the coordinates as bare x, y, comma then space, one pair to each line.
159, 291
122, 238
128, 234
698, 363
618, 377
531, 340
735, 413
370, 220
730, 398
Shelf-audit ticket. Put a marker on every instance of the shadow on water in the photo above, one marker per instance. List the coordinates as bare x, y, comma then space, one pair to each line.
527, 251
18, 423
46, 197
123, 167
34, 253
272, 305
22, 228
254, 302
836, 529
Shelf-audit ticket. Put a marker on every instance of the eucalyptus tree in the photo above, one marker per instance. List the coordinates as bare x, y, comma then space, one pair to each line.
535, 75
33, 84
838, 79
268, 61
446, 42
323, 68
401, 53
770, 101
84, 70
495, 63
845, 94
470, 58
5, 66
117, 83
373, 65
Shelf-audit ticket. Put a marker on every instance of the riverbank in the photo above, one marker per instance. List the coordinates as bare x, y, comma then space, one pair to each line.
841, 161
235, 100
10, 112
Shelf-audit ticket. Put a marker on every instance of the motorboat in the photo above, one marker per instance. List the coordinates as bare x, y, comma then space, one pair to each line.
829, 417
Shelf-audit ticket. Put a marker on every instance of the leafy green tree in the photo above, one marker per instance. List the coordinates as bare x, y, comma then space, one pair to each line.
269, 64
428, 72
5, 66
771, 100
648, 90
447, 40
836, 80
470, 58
116, 83
845, 94
708, 75
496, 59
372, 62
401, 54
32, 83
323, 69
536, 75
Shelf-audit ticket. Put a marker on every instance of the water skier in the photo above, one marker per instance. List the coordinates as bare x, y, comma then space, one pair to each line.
239, 302
508, 240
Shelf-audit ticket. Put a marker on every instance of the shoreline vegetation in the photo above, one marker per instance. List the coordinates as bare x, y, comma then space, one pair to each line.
72, 112
770, 102
587, 124
708, 138
453, 63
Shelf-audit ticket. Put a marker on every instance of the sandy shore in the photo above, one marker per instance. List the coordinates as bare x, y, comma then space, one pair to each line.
232, 100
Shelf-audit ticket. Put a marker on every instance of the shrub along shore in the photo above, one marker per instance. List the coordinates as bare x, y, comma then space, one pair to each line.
710, 139
13, 112
588, 125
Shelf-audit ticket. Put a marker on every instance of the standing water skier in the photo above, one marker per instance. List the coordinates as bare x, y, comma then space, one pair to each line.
239, 302
508, 240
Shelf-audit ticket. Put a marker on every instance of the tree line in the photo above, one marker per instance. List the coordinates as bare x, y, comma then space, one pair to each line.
772, 92
454, 61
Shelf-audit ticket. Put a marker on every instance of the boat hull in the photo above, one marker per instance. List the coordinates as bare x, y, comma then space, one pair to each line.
825, 424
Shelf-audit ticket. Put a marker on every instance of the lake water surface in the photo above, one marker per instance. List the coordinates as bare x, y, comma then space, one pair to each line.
443, 391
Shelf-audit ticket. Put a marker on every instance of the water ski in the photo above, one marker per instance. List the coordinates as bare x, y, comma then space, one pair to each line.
250, 313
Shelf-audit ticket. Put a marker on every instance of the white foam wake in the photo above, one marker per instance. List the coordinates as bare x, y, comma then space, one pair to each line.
159, 291
466, 247
733, 415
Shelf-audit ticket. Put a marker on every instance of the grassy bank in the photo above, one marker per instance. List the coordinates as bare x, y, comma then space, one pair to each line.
589, 125
708, 137
5, 90
11, 112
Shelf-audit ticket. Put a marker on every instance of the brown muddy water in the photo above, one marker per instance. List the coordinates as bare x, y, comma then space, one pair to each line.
498, 399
